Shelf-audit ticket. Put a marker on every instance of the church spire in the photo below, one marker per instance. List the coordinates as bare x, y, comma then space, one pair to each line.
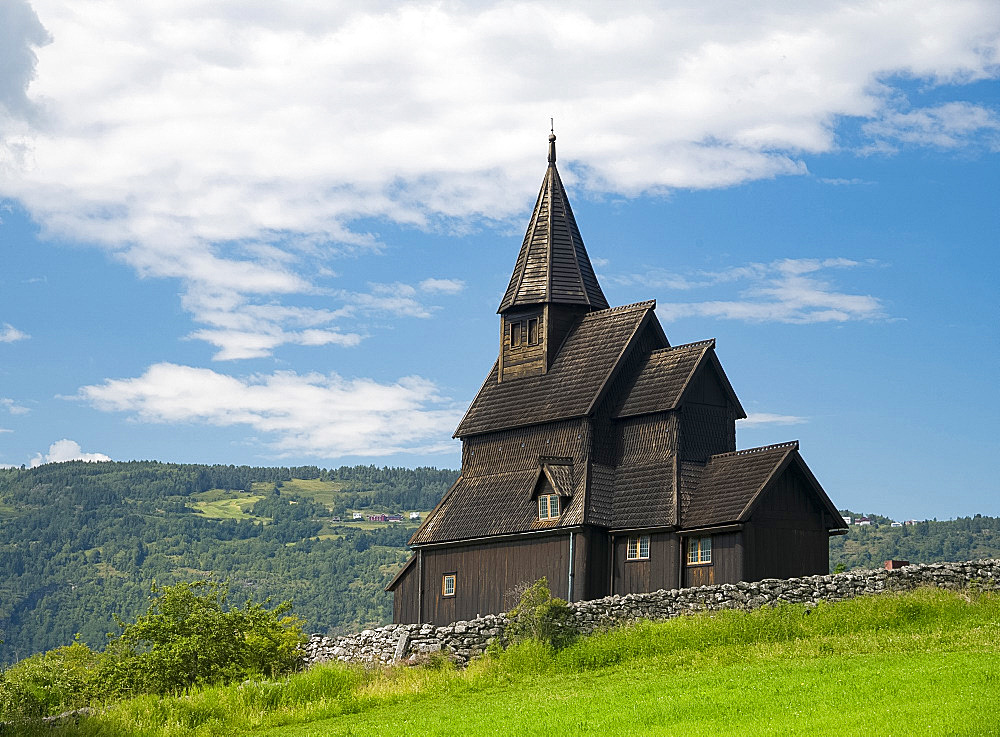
553, 266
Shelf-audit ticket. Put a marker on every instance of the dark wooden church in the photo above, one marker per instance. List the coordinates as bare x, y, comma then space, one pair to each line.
603, 458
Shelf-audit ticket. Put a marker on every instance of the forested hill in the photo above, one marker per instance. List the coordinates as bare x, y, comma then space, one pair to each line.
82, 541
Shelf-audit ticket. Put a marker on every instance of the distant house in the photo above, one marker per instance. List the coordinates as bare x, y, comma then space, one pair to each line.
896, 524
912, 521
395, 518
862, 521
336, 519
378, 518
357, 515
848, 520
414, 515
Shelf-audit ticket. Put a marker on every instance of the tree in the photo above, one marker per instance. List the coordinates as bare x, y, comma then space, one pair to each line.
189, 635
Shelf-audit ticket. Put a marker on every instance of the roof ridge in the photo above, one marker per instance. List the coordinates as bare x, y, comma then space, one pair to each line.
707, 341
794, 444
645, 305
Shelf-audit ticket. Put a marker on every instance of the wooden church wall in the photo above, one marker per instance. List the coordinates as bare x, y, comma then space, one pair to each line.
639, 576
727, 566
785, 535
405, 597
646, 439
488, 574
520, 448
708, 420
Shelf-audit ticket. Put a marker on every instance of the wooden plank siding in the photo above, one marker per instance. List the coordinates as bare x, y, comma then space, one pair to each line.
523, 360
639, 576
489, 574
727, 564
786, 536
708, 418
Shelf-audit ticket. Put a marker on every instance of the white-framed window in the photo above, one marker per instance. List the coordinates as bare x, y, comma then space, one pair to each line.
448, 584
699, 550
637, 548
548, 506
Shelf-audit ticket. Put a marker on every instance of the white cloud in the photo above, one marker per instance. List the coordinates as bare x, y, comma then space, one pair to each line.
13, 407
66, 450
9, 334
235, 146
952, 125
4, 429
787, 290
755, 419
445, 286
323, 416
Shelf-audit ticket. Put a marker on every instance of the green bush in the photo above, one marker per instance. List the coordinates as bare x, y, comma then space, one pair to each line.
49, 683
540, 616
190, 635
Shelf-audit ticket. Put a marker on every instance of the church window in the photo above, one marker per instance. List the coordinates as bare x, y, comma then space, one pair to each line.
548, 506
638, 548
448, 584
699, 550
533, 331
515, 334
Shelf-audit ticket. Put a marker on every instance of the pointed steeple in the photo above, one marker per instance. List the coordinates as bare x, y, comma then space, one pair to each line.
553, 266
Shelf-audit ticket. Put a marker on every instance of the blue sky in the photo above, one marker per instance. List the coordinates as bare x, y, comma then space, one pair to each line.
250, 233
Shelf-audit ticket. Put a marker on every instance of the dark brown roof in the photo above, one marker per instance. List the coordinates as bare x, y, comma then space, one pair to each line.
572, 384
663, 377
644, 496
553, 265
496, 504
727, 487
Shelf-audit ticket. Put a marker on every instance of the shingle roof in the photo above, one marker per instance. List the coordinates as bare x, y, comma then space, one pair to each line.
644, 496
662, 378
495, 504
721, 491
575, 379
553, 265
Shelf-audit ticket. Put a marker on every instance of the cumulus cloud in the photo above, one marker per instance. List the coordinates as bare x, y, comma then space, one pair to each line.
317, 415
13, 407
787, 290
236, 147
755, 419
66, 450
9, 334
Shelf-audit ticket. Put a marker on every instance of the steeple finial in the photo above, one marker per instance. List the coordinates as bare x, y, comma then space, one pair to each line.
552, 141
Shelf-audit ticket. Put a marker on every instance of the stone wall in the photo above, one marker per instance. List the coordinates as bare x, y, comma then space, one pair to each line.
464, 640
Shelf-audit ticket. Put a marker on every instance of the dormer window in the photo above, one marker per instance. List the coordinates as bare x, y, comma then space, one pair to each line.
548, 506
523, 332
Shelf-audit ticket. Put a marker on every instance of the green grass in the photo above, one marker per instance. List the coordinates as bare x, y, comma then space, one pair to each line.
922, 663
237, 506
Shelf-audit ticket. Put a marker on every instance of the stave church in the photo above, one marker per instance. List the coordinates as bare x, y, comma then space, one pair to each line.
600, 456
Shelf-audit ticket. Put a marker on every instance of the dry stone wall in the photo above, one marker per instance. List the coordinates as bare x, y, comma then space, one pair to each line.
464, 640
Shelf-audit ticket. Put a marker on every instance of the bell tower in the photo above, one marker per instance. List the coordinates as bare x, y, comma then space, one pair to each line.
553, 283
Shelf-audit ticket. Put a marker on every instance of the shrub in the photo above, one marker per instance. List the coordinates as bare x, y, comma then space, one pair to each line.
49, 683
540, 616
190, 635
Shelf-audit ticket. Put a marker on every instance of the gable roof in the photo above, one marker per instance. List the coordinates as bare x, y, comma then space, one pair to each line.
727, 488
666, 374
553, 265
575, 380
500, 504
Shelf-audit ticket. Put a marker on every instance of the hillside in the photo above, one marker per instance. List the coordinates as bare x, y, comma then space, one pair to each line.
924, 662
82, 541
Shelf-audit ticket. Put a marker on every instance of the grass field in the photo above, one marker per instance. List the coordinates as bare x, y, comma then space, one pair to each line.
926, 663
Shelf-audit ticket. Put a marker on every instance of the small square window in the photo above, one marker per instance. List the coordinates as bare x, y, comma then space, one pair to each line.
548, 506
699, 550
448, 584
637, 548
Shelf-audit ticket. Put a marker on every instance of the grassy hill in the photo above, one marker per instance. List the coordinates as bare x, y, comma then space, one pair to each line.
926, 662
